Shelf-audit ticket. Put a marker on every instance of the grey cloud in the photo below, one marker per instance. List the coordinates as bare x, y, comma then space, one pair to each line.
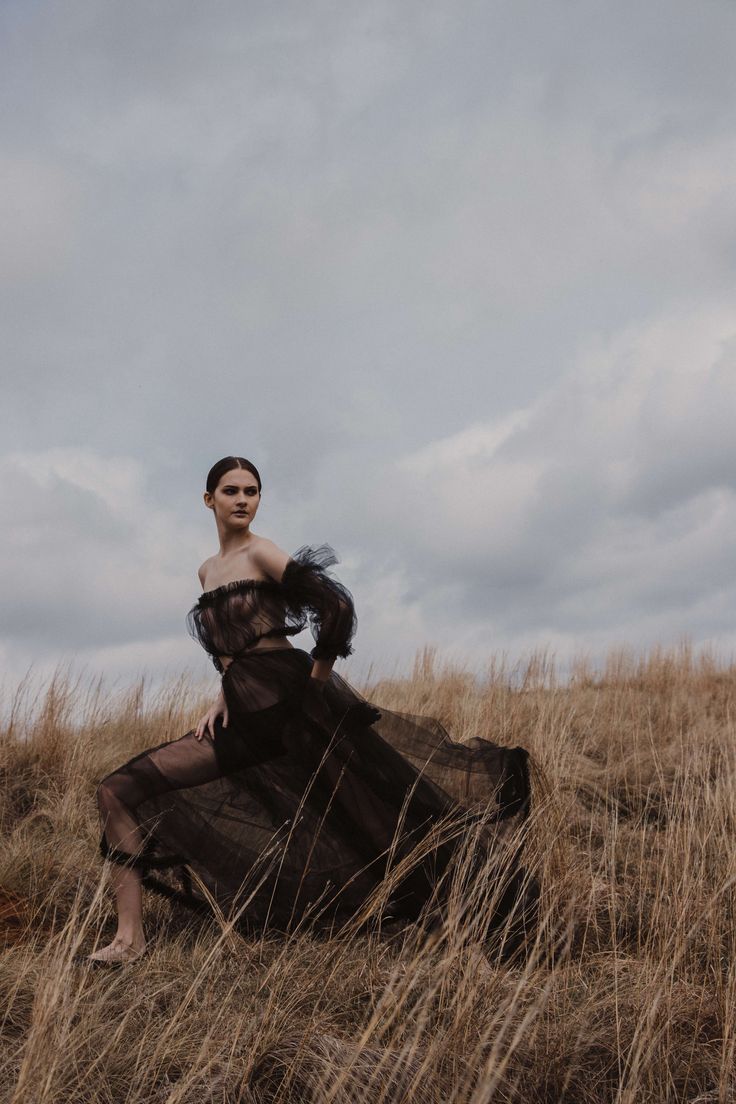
89, 565
333, 236
610, 501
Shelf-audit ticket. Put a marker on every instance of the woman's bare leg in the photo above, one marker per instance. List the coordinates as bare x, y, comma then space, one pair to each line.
180, 764
126, 884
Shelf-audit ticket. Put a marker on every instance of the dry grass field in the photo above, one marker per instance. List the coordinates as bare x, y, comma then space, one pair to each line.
628, 995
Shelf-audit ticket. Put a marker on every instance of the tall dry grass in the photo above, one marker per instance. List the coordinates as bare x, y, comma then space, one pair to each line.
627, 995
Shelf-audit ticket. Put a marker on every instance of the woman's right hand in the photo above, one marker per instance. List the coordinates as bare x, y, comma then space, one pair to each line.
208, 720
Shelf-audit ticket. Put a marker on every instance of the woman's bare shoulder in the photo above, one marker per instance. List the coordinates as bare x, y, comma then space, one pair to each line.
269, 558
202, 571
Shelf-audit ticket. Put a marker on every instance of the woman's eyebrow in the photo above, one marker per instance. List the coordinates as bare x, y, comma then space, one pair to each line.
247, 487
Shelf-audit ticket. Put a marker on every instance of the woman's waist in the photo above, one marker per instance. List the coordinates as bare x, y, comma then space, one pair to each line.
259, 644
259, 677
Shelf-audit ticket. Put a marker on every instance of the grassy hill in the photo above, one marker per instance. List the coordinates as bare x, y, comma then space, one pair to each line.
628, 995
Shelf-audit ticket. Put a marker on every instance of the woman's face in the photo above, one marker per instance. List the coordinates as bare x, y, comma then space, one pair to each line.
235, 498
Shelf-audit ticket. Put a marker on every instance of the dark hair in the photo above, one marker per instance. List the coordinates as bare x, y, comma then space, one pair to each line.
227, 464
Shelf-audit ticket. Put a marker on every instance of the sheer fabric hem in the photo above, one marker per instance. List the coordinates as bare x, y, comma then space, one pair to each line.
303, 796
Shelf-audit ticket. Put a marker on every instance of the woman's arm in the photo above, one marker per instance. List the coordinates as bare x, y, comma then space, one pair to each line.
321, 669
313, 594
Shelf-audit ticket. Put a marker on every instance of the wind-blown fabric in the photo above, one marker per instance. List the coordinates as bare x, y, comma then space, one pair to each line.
299, 808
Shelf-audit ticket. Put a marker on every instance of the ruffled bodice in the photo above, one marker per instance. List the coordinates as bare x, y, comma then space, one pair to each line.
231, 618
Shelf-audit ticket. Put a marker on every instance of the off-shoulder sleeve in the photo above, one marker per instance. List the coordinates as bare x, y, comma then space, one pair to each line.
313, 594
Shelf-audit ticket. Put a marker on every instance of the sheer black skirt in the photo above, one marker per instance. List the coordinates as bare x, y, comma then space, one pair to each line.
309, 802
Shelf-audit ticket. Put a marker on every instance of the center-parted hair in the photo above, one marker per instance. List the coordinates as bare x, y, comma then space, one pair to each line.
227, 464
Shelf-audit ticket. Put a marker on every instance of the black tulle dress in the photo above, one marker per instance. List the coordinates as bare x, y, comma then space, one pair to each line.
297, 810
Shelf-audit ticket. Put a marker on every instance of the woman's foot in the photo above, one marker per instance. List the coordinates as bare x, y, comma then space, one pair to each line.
117, 953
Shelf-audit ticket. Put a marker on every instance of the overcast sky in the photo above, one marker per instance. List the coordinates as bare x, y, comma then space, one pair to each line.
458, 276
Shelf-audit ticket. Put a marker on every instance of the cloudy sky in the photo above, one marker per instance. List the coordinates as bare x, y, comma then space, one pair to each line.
457, 275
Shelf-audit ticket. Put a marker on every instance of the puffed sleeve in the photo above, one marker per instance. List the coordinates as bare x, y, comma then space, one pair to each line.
312, 594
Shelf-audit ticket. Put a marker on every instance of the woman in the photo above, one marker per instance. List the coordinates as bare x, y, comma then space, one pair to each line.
293, 797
